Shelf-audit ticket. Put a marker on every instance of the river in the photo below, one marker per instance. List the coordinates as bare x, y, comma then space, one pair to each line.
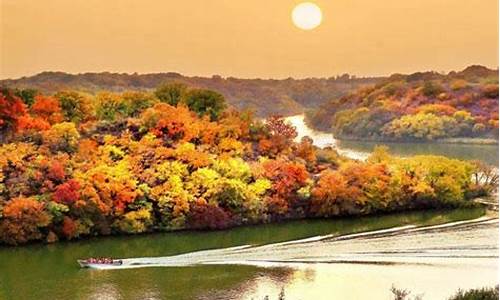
351, 258
361, 150
430, 253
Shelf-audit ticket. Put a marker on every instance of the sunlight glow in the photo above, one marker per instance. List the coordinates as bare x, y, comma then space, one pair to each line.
307, 16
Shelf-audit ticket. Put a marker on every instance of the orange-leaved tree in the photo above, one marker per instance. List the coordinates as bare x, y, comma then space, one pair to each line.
22, 221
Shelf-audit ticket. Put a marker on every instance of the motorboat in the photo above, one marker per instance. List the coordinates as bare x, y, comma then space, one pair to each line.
99, 262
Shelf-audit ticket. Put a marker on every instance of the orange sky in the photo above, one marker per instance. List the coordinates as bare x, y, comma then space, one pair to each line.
245, 38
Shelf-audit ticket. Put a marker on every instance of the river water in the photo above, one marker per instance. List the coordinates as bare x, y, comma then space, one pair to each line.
356, 258
361, 150
430, 253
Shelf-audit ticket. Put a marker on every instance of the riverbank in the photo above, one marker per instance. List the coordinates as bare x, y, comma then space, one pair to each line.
451, 141
417, 217
379, 139
291, 229
360, 150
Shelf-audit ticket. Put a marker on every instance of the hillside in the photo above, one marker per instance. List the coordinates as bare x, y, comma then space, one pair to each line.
264, 96
417, 107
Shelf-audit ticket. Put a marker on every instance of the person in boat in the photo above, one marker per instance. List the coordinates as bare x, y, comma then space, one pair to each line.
100, 260
103, 260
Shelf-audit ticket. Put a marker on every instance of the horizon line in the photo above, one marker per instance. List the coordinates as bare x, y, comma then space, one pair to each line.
356, 76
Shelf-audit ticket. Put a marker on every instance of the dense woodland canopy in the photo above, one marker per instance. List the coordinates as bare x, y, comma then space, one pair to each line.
264, 96
74, 165
417, 107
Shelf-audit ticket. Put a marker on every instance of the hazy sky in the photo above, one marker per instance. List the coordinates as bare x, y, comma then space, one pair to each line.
245, 38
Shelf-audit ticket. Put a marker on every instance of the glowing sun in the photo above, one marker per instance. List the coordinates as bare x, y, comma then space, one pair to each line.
307, 16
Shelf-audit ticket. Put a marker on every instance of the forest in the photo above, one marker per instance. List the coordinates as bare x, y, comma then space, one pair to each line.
74, 165
264, 96
421, 107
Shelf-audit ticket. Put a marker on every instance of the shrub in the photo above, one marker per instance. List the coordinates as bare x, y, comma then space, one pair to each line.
476, 294
432, 88
208, 216
490, 91
135, 221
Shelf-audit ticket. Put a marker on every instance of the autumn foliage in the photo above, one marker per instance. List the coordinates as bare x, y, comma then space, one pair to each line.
68, 192
11, 109
22, 220
73, 166
417, 107
47, 108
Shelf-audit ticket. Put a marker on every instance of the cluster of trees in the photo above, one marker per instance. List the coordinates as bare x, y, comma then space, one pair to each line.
73, 165
264, 96
417, 107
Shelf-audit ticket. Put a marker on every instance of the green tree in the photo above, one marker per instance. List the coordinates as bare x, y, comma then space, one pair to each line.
171, 93
109, 106
206, 102
75, 106
136, 102
28, 95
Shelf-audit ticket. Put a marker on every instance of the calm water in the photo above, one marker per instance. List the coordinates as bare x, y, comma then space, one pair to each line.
352, 267
361, 150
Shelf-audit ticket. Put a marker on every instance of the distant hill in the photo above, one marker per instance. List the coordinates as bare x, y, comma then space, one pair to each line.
421, 106
264, 96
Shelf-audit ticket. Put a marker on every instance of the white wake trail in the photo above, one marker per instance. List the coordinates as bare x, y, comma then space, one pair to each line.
435, 244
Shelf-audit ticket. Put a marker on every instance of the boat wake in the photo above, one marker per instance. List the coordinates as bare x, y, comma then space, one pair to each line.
444, 244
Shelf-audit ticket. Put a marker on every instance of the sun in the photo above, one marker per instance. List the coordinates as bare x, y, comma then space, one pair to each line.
307, 16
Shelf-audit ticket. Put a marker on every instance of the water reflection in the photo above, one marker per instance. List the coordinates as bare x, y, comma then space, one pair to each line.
266, 282
348, 281
361, 150
486, 153
50, 272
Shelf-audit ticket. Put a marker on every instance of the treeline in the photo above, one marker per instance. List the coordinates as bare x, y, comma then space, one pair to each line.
417, 107
264, 96
73, 165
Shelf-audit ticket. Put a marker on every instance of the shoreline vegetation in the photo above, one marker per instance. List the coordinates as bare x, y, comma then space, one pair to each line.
439, 216
484, 293
74, 166
459, 107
